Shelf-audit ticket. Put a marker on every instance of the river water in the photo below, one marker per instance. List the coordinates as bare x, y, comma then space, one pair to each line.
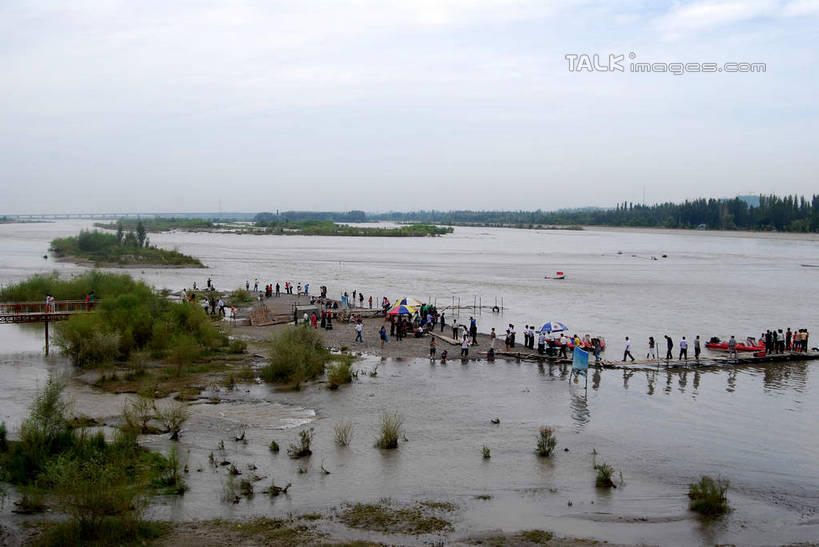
755, 426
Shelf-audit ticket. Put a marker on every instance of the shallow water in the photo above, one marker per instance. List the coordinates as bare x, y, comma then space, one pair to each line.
752, 425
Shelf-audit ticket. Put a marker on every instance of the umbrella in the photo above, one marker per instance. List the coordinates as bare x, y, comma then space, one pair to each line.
401, 309
408, 302
553, 326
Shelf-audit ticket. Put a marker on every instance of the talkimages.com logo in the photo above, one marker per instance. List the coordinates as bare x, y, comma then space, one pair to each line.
583, 62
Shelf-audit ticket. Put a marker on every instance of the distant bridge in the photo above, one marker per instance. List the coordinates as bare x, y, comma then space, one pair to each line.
115, 216
40, 312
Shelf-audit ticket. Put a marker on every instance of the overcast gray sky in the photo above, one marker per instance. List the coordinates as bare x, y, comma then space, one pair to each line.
116, 106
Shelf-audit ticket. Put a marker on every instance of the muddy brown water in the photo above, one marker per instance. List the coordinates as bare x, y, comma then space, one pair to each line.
752, 425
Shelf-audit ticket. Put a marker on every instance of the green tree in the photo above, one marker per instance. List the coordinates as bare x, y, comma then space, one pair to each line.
141, 233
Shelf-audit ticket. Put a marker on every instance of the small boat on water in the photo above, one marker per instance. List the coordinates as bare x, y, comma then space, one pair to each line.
558, 275
750, 344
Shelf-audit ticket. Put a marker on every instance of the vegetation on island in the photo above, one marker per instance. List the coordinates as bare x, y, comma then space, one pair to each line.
330, 228
121, 249
131, 322
159, 224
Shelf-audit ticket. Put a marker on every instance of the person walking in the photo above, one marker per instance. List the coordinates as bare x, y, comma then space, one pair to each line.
247, 284
371, 302
465, 347
492, 337
358, 329
255, 285
511, 335
432, 346
508, 339
684, 349
383, 335
627, 351
697, 348
669, 346
473, 332
652, 350
443, 321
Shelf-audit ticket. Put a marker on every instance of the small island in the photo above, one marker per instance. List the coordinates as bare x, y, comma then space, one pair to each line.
160, 224
329, 228
130, 248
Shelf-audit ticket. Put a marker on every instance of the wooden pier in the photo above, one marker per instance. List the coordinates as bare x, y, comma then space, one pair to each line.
40, 312
654, 364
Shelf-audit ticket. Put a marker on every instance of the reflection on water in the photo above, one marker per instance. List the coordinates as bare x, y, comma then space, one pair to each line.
580, 409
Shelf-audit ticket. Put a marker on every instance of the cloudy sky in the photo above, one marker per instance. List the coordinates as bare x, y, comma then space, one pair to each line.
115, 106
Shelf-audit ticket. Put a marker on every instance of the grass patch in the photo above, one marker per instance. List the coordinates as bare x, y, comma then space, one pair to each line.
343, 432
274, 447
709, 496
546, 441
273, 531
301, 448
382, 517
390, 430
297, 355
341, 372
605, 472
485, 452
111, 531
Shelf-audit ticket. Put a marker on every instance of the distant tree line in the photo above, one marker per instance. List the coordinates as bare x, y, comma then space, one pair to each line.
773, 213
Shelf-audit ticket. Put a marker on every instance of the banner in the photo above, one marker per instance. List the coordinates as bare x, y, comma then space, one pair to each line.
580, 361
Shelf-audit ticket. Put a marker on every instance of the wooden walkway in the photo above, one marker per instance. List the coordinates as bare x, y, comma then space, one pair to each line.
654, 364
40, 312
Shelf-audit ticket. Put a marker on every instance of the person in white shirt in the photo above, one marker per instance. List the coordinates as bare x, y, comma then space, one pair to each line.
465, 348
564, 344
684, 349
358, 329
541, 343
627, 352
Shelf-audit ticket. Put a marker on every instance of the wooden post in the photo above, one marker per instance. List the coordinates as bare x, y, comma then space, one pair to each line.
46, 338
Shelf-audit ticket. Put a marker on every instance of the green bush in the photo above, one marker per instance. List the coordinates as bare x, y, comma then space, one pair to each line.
301, 448
546, 442
87, 340
709, 496
239, 297
296, 355
237, 346
339, 374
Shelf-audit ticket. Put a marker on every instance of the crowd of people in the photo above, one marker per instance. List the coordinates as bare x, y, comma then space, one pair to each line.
777, 341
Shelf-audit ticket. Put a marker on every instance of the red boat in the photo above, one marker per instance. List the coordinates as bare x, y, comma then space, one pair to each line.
750, 344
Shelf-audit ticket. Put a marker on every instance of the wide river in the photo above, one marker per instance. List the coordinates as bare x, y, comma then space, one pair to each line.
755, 426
